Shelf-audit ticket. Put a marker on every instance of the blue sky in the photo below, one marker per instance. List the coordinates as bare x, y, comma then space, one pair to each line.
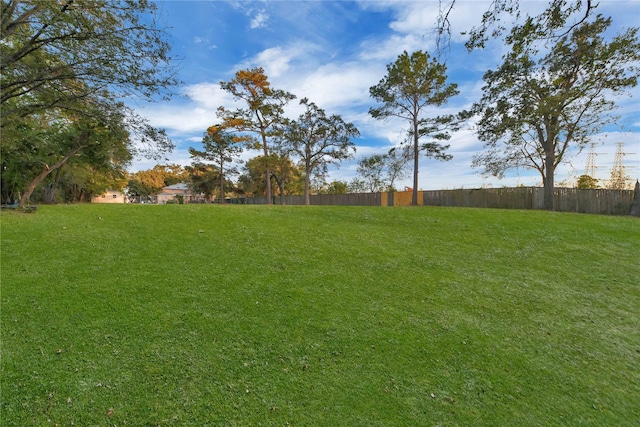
332, 52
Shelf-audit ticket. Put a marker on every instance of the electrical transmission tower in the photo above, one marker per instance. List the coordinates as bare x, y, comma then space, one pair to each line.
588, 178
590, 167
619, 179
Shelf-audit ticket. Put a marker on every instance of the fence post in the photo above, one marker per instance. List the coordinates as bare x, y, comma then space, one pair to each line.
635, 205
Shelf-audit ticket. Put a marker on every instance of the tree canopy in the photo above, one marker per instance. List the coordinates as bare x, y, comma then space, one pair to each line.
257, 122
219, 147
318, 141
65, 65
53, 54
412, 84
538, 104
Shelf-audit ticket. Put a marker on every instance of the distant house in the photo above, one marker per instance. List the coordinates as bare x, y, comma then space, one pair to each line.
110, 196
176, 192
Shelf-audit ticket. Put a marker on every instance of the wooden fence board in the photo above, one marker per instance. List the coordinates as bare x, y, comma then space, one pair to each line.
598, 201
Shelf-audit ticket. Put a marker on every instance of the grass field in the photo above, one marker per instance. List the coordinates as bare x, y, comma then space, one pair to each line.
333, 316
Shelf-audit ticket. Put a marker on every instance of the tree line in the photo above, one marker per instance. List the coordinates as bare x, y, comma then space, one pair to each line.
64, 66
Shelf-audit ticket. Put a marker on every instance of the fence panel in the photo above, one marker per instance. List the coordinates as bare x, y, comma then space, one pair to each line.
606, 202
354, 199
600, 201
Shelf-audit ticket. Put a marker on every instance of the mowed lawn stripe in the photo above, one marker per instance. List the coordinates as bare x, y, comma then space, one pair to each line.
268, 315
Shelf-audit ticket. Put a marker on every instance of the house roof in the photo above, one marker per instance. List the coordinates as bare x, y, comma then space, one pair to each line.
179, 186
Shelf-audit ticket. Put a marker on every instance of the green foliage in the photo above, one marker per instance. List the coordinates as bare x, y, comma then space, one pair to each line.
379, 172
43, 144
204, 179
554, 22
318, 141
537, 105
63, 65
55, 54
340, 316
371, 169
256, 123
412, 83
222, 148
283, 171
151, 181
587, 182
337, 187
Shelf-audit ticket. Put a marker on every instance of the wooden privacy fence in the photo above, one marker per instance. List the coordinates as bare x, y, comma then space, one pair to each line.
354, 199
606, 202
595, 201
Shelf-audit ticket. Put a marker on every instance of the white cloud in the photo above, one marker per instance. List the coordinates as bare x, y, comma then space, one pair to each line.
338, 85
259, 20
387, 50
208, 95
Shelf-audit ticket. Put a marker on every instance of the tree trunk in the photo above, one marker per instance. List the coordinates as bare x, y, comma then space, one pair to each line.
550, 161
307, 200
414, 195
38, 179
50, 194
222, 201
307, 178
267, 172
281, 187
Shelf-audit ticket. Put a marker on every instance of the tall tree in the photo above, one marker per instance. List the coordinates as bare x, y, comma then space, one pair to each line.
537, 105
109, 46
318, 140
264, 111
222, 148
412, 84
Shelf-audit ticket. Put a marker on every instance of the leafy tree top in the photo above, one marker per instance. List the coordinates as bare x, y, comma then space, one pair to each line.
53, 54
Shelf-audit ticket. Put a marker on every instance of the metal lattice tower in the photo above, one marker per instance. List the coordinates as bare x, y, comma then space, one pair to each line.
590, 167
619, 179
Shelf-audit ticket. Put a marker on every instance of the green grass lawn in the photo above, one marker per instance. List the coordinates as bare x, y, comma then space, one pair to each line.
337, 316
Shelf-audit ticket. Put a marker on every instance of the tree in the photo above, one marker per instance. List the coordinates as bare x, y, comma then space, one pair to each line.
536, 106
379, 172
371, 169
146, 183
264, 111
318, 140
357, 185
396, 160
337, 187
56, 53
412, 84
287, 176
587, 182
221, 148
98, 141
63, 65
284, 174
205, 179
